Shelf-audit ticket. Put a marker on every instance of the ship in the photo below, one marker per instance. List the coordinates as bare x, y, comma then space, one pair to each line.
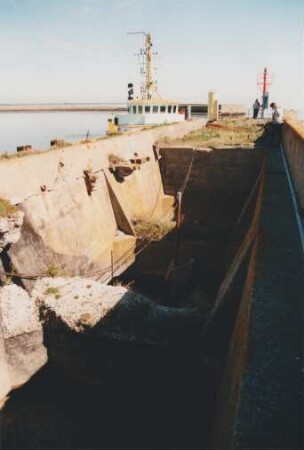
151, 108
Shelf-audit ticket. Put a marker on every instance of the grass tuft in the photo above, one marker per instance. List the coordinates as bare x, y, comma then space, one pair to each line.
116, 159
52, 270
153, 228
85, 319
53, 291
6, 208
233, 132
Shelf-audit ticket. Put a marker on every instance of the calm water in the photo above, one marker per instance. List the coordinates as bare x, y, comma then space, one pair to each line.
38, 128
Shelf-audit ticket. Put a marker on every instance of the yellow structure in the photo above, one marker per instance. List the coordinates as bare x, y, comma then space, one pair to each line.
112, 128
212, 106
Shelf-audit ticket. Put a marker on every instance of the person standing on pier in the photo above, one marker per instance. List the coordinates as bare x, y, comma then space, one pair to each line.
277, 122
256, 108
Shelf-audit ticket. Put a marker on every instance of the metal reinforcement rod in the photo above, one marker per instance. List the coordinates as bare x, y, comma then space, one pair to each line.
294, 198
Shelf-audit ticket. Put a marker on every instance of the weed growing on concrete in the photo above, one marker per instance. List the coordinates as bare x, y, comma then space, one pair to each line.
52, 291
55, 271
202, 135
116, 159
119, 282
85, 320
152, 228
225, 133
86, 141
6, 208
52, 270
5, 155
128, 284
61, 143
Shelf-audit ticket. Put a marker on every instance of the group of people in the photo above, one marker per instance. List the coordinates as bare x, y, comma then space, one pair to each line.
276, 111
275, 127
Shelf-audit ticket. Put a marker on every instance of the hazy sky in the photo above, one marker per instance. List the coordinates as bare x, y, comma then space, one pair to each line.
78, 50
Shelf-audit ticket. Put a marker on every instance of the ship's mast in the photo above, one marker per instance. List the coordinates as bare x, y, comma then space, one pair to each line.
149, 86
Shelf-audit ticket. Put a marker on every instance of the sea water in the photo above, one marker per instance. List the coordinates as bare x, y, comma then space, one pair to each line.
39, 128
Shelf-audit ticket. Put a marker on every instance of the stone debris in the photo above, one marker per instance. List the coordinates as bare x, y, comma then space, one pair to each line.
79, 303
88, 306
18, 312
61, 308
22, 351
10, 229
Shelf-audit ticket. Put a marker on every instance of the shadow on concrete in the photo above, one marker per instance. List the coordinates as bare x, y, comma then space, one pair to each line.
135, 380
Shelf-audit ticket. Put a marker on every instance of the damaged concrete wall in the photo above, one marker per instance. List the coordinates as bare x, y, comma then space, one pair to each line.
72, 232
142, 192
21, 178
219, 182
67, 227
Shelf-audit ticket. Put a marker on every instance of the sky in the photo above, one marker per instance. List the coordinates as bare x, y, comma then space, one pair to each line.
79, 50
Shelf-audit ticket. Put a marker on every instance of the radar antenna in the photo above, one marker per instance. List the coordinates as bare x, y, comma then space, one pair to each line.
146, 53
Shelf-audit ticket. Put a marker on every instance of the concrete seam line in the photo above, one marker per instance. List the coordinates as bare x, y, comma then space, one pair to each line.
294, 198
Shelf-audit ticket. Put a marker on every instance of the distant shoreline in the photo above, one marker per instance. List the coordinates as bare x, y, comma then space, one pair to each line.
81, 107
62, 107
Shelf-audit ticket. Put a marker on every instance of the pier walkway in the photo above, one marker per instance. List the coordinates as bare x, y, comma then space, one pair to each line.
271, 404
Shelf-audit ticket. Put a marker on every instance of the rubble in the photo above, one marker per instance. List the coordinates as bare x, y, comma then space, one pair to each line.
10, 229
22, 347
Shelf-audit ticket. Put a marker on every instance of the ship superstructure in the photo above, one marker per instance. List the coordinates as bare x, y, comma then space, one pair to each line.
150, 108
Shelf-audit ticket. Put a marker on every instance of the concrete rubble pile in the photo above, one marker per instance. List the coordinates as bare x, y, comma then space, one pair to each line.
80, 315
22, 352
10, 229
69, 321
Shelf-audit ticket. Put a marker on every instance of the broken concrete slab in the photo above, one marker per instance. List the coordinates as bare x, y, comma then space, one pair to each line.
21, 338
10, 228
80, 318
77, 303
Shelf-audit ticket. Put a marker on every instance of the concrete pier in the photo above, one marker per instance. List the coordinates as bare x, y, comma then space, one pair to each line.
271, 397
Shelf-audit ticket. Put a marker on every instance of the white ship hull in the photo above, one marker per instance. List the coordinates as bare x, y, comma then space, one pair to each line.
148, 119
